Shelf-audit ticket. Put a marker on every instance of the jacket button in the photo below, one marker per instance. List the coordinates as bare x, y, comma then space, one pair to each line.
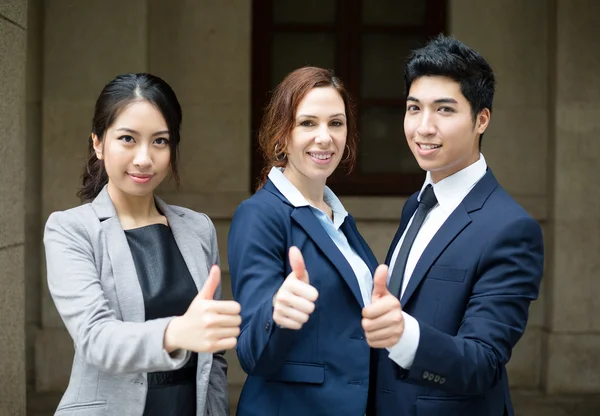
431, 377
267, 326
436, 379
442, 380
425, 374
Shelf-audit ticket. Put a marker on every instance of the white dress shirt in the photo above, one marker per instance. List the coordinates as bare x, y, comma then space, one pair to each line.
291, 193
449, 192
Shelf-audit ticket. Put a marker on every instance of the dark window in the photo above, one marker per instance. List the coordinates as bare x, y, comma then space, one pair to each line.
366, 43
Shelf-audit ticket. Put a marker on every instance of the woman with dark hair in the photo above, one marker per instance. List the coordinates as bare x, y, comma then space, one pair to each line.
135, 280
299, 267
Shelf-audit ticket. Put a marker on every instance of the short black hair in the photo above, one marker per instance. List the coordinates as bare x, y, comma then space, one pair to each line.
446, 56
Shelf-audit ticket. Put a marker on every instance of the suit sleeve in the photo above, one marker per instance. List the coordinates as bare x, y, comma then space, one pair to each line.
257, 255
218, 392
509, 274
105, 342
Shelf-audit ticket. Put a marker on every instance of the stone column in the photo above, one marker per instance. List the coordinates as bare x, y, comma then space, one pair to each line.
13, 33
573, 314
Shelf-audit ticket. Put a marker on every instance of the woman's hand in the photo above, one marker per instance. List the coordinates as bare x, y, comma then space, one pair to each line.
295, 300
208, 325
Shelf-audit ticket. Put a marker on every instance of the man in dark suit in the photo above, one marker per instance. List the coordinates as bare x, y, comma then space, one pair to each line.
466, 261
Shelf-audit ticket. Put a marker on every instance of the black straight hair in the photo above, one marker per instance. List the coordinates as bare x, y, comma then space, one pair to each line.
114, 98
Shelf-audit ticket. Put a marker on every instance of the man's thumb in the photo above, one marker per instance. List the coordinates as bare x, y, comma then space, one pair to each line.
211, 284
297, 264
380, 281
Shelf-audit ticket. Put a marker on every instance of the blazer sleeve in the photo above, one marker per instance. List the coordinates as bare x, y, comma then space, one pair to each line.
218, 392
509, 276
257, 262
104, 341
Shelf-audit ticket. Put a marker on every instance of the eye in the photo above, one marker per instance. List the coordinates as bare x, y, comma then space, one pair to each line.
127, 139
446, 109
412, 107
161, 141
306, 123
336, 123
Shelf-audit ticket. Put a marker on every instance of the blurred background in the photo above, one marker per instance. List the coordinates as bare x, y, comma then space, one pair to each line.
223, 57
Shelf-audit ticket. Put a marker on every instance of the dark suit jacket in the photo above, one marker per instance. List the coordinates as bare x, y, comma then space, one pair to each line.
470, 293
322, 369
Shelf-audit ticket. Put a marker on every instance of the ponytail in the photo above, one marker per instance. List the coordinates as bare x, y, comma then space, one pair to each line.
94, 176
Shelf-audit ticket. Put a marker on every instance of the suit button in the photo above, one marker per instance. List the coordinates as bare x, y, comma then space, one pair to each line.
268, 326
436, 379
442, 380
431, 377
425, 374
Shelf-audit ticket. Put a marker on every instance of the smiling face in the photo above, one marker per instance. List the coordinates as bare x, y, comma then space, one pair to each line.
135, 151
439, 126
318, 138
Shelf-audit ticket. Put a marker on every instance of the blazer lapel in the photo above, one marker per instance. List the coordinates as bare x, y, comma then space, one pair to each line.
358, 244
127, 285
410, 209
188, 242
458, 221
307, 220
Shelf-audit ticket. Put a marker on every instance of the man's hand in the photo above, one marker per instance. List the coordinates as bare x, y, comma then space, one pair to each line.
382, 322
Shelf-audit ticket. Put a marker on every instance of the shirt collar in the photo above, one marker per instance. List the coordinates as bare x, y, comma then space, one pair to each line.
292, 194
452, 190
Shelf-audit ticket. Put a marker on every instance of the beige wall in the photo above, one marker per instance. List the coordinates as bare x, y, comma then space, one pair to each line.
541, 145
574, 307
13, 33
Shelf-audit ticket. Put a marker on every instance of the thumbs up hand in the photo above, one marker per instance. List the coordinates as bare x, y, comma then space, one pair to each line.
208, 325
382, 322
295, 300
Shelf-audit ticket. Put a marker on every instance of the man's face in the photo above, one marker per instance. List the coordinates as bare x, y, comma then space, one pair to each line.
439, 126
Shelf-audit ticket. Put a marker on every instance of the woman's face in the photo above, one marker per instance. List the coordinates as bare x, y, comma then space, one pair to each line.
318, 138
135, 150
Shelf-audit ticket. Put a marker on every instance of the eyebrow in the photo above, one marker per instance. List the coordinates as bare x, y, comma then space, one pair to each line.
331, 116
438, 101
158, 133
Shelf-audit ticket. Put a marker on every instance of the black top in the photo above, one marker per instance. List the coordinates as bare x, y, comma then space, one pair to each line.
168, 290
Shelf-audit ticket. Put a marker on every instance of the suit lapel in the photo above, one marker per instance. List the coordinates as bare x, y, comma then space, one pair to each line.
358, 244
307, 220
127, 285
407, 213
188, 242
456, 222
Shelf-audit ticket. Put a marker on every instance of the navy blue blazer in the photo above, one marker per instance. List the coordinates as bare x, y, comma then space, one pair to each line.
470, 293
322, 369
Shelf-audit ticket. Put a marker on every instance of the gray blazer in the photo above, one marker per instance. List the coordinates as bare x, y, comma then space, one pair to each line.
94, 284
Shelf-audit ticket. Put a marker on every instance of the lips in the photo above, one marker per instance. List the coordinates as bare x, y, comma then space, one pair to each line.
428, 146
140, 177
321, 155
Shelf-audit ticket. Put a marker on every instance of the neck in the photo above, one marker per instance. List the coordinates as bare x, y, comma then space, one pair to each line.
312, 190
132, 209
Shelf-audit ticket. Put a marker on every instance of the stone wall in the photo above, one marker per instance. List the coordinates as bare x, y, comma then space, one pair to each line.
13, 36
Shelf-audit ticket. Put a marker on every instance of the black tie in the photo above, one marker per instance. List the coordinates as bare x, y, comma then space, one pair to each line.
428, 201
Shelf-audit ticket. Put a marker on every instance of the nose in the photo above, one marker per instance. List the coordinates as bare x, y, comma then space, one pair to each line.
426, 125
323, 135
143, 159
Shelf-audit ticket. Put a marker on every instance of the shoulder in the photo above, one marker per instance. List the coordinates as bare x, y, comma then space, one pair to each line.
263, 205
505, 209
73, 219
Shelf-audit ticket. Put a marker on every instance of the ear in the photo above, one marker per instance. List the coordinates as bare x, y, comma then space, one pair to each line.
98, 147
482, 121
